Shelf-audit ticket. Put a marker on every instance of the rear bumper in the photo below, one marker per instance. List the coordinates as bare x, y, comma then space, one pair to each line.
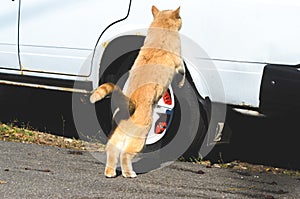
280, 89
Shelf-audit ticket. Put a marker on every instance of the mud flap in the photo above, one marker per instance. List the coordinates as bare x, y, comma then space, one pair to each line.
280, 88
218, 130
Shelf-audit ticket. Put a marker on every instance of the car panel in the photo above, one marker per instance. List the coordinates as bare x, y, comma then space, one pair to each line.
238, 37
249, 31
57, 36
8, 35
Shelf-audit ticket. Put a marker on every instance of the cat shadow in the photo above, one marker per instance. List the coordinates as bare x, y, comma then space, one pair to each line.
118, 172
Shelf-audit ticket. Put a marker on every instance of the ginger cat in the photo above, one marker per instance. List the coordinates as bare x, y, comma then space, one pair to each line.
151, 74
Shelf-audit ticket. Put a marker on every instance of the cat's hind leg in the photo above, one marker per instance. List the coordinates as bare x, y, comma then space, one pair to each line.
181, 70
126, 165
112, 154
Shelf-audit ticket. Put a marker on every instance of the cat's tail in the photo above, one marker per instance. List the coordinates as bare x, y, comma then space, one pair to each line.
102, 91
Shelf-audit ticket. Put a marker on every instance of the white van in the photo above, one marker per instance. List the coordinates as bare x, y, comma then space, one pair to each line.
240, 53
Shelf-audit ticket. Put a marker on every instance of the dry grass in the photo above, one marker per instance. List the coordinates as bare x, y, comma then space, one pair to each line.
244, 166
9, 132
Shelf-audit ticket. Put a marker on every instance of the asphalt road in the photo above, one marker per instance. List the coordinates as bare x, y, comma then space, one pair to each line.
34, 171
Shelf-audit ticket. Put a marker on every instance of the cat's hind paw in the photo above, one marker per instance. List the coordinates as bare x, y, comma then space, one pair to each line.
110, 173
129, 174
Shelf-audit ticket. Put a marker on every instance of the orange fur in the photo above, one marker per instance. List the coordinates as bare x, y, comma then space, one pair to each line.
102, 91
151, 74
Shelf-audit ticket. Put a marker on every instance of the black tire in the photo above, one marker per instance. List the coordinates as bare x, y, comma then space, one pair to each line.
113, 73
185, 133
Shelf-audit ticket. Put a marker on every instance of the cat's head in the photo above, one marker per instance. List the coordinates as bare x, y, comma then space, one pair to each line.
169, 19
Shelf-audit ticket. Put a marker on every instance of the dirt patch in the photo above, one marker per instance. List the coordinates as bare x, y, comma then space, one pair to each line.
243, 167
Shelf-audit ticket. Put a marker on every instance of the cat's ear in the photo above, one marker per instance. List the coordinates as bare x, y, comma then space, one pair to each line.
176, 12
155, 11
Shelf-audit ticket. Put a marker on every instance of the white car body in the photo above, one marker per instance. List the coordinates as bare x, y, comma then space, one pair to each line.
56, 39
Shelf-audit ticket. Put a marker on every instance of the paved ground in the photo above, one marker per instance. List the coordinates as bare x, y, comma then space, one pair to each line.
33, 171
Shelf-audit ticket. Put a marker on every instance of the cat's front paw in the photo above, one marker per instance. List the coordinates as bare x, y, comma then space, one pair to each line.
181, 83
129, 174
110, 173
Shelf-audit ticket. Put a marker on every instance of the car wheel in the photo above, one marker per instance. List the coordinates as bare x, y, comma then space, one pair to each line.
179, 120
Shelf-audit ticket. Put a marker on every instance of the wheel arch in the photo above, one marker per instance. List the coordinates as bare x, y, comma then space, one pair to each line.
127, 43
116, 48
121, 45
